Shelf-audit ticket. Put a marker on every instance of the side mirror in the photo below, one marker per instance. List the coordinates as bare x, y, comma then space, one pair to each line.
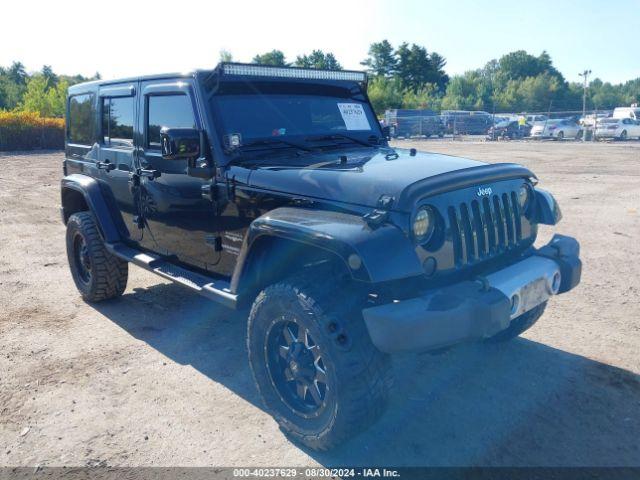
386, 132
180, 143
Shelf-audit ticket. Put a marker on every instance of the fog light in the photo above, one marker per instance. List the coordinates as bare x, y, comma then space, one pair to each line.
354, 261
515, 303
554, 284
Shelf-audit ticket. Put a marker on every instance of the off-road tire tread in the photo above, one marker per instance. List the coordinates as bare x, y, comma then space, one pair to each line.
367, 374
109, 273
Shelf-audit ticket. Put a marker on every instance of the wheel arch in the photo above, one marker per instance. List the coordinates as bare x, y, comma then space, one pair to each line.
272, 258
287, 239
83, 193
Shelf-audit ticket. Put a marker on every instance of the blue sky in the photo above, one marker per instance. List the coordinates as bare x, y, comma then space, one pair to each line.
165, 35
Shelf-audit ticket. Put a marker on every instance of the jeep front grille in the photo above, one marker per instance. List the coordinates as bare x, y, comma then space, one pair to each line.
485, 227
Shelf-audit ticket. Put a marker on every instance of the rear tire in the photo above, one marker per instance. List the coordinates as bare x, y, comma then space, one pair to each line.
323, 380
98, 274
623, 135
560, 136
519, 325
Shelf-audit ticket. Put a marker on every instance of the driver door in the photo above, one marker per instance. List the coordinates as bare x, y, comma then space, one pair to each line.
178, 221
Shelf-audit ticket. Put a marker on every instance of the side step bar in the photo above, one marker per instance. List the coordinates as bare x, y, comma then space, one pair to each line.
212, 288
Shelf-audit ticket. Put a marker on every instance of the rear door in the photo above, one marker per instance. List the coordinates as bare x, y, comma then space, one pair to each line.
118, 111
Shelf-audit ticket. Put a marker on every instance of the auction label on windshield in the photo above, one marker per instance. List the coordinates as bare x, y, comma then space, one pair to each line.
354, 116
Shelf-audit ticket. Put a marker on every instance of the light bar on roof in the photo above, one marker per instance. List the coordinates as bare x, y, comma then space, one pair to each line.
292, 72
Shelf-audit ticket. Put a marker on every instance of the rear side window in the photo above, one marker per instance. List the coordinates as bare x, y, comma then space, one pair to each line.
117, 121
81, 119
173, 111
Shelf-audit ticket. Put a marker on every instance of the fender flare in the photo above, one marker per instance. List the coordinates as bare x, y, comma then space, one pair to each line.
97, 202
383, 253
546, 211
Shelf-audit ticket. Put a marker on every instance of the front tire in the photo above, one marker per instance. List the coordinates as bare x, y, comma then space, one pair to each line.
519, 325
560, 136
98, 274
313, 362
623, 135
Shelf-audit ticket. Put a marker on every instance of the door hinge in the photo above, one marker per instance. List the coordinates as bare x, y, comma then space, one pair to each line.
215, 241
138, 221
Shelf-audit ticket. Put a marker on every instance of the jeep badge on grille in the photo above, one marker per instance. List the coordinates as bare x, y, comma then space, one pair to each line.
482, 192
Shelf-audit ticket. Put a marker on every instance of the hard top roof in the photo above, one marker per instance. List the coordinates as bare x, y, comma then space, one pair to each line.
234, 70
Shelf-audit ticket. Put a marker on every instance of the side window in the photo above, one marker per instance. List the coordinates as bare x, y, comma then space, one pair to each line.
81, 119
117, 121
174, 111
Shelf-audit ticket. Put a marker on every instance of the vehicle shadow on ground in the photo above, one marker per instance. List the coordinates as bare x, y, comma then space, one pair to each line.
517, 404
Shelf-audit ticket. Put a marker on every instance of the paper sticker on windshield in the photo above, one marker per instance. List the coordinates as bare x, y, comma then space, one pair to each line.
354, 116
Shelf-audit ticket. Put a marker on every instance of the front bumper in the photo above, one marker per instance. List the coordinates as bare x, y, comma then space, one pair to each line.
479, 308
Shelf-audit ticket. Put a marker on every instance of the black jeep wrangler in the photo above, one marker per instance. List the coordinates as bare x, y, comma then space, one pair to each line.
275, 189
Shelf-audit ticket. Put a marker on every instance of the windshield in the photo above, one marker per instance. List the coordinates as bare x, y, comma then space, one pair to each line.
278, 116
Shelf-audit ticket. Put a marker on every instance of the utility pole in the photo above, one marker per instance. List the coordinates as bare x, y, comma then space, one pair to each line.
585, 76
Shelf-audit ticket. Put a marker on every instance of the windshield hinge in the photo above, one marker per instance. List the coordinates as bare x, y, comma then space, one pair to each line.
376, 217
380, 215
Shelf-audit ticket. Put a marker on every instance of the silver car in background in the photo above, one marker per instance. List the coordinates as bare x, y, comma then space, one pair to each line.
618, 128
557, 129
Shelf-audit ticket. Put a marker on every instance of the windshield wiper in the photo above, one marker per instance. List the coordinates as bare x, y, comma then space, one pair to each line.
339, 136
274, 141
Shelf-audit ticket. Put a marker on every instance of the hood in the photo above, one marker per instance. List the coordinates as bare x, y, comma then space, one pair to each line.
362, 180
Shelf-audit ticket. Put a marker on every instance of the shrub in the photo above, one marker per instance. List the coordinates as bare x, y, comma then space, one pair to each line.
28, 131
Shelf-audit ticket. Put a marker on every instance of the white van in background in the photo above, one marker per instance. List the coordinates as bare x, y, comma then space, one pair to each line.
627, 112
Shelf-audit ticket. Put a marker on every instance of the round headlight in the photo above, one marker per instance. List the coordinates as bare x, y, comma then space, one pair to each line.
523, 196
423, 224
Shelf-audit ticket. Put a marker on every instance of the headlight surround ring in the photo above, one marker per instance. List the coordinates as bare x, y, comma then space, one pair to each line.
524, 197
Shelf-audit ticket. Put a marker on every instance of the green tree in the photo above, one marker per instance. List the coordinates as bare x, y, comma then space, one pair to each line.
35, 97
274, 57
604, 95
50, 77
427, 97
17, 73
225, 56
381, 60
471, 91
318, 59
385, 93
57, 98
415, 67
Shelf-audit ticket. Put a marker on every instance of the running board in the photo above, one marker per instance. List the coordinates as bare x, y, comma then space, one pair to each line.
212, 288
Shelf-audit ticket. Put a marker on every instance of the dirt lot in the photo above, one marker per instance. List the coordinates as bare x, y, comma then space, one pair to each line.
159, 377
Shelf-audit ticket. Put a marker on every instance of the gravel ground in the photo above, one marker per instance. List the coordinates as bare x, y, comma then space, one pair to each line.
159, 377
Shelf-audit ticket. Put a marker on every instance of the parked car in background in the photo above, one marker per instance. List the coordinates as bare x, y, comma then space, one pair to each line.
463, 122
557, 129
535, 119
591, 119
510, 129
627, 112
620, 128
413, 122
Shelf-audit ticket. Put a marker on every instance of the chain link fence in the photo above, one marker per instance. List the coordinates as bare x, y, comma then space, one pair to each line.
463, 124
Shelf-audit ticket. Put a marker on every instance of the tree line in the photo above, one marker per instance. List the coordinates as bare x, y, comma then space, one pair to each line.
406, 76
43, 92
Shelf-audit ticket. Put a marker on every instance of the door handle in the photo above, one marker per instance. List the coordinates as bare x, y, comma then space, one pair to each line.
106, 165
134, 177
